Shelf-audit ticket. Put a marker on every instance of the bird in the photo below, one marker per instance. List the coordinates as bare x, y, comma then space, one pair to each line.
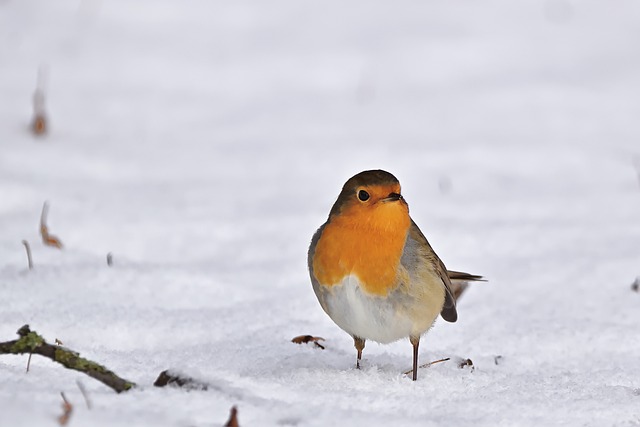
373, 270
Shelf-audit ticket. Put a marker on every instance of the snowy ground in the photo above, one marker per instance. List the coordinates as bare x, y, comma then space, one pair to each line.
202, 143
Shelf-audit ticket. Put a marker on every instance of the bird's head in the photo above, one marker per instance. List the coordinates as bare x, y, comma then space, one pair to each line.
371, 199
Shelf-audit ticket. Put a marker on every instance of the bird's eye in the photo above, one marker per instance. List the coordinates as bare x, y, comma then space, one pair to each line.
363, 195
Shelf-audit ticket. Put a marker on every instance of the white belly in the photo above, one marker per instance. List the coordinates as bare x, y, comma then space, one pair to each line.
371, 317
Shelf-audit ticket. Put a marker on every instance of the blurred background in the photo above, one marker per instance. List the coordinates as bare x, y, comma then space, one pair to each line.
173, 120
164, 103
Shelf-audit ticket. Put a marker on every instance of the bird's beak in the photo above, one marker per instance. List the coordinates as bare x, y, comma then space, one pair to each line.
393, 197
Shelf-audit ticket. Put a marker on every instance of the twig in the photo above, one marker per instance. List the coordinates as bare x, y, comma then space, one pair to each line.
47, 239
109, 259
28, 249
67, 409
83, 390
426, 365
31, 342
43, 218
29, 361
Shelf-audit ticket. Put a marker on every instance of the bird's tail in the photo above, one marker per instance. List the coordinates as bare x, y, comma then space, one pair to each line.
460, 281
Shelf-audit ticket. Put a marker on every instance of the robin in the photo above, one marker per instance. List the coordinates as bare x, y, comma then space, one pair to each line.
373, 270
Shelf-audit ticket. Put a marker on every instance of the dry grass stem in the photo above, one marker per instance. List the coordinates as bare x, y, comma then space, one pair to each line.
85, 395
39, 123
67, 409
427, 365
47, 238
27, 247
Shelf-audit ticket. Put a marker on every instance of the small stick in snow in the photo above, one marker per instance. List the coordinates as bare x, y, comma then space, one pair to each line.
67, 409
39, 122
47, 239
233, 418
29, 361
497, 359
427, 365
303, 339
28, 249
109, 259
635, 286
83, 390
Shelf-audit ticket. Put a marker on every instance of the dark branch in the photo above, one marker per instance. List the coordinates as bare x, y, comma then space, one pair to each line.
32, 343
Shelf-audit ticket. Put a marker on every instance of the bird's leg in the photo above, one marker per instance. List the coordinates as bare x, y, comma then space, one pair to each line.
415, 341
359, 344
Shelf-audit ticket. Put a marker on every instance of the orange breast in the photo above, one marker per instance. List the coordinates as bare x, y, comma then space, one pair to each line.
367, 244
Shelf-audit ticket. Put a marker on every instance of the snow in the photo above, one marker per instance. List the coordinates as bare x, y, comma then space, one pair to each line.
202, 143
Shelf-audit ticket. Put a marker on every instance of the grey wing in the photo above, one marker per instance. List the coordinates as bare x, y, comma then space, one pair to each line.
312, 248
310, 254
448, 311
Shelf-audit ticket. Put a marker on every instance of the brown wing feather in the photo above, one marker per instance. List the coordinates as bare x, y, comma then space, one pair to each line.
455, 282
448, 311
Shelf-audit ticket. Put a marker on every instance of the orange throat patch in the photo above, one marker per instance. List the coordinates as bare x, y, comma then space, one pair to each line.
366, 242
